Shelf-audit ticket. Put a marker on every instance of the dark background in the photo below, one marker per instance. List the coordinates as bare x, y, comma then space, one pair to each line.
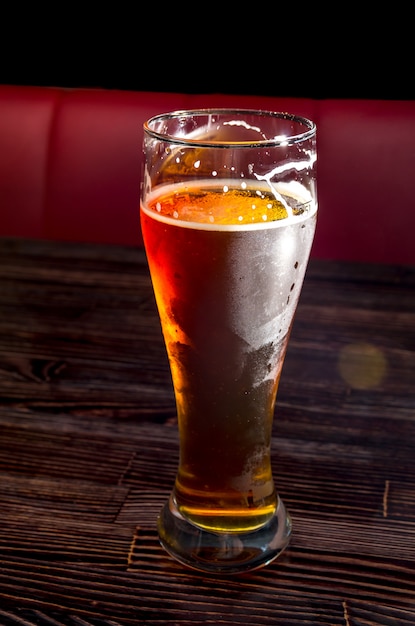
313, 52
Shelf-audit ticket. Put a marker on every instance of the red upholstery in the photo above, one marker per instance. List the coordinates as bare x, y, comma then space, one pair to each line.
70, 166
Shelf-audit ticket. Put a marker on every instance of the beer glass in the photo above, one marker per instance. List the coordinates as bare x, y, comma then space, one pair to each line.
228, 213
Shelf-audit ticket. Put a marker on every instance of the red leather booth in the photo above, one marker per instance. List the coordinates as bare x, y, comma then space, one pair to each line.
70, 166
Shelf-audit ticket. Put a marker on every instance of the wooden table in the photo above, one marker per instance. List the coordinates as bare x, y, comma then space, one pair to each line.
89, 450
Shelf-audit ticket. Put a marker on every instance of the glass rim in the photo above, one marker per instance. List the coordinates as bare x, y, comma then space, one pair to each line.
289, 139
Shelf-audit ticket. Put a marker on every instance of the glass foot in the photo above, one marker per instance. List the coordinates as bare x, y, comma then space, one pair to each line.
227, 553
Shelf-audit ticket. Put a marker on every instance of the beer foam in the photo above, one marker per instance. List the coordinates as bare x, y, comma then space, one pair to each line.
280, 191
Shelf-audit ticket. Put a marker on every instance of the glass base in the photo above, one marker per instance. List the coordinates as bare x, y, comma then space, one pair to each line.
223, 553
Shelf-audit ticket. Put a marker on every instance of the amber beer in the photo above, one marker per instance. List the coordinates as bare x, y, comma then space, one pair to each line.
227, 269
228, 212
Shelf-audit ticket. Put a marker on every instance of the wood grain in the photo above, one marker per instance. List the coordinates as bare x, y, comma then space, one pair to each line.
89, 450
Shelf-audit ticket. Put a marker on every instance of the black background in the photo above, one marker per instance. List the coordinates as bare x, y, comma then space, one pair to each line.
327, 52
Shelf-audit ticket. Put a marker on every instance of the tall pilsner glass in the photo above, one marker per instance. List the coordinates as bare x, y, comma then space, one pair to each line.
228, 215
